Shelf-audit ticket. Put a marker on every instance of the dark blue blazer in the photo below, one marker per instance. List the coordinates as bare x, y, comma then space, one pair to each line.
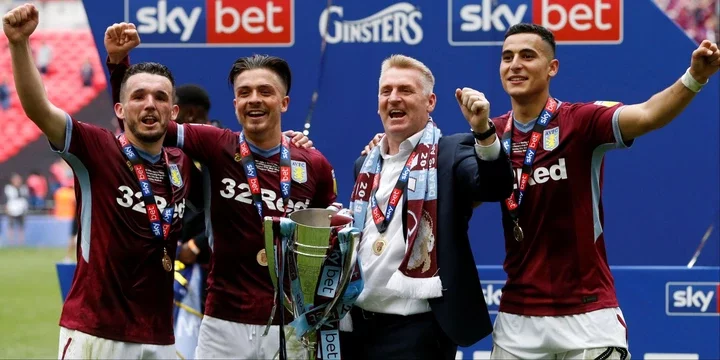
463, 180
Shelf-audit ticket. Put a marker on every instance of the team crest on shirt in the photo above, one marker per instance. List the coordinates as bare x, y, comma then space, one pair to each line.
299, 171
551, 138
175, 177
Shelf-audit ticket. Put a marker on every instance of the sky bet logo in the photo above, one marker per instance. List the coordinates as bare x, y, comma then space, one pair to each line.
484, 22
492, 291
212, 23
692, 299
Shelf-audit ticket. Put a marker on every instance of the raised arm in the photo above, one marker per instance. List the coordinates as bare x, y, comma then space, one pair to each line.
488, 171
663, 107
18, 24
119, 40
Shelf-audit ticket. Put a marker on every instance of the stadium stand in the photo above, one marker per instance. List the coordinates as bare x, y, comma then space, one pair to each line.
71, 49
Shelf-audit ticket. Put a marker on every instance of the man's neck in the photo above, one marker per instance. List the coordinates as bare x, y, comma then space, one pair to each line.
526, 109
264, 141
150, 148
394, 140
393, 144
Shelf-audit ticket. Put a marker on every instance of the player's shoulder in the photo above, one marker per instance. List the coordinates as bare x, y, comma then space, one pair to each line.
501, 120
312, 156
89, 127
225, 139
581, 112
177, 153
574, 107
213, 131
92, 140
179, 157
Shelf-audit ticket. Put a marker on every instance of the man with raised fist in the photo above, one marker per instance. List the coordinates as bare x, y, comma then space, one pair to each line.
131, 195
559, 299
413, 198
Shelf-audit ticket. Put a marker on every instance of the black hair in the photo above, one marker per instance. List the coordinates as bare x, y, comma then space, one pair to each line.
525, 28
273, 63
192, 95
149, 68
216, 123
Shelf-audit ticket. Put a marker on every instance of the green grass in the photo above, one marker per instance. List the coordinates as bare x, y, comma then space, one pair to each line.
30, 303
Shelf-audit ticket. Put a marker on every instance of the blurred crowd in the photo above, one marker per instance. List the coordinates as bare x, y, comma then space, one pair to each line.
699, 18
43, 58
37, 194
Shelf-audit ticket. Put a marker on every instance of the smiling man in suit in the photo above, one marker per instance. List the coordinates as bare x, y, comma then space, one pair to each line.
413, 197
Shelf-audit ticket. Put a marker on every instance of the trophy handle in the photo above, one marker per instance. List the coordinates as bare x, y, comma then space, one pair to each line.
270, 255
269, 250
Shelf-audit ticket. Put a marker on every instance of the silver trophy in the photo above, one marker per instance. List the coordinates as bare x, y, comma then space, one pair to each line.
315, 252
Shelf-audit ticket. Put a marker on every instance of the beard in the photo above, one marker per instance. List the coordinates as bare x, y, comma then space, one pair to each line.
147, 137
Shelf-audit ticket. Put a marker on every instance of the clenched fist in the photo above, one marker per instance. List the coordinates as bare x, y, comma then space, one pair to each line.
705, 61
20, 22
119, 40
474, 107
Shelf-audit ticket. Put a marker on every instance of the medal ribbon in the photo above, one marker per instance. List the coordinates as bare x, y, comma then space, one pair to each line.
383, 220
252, 176
513, 203
159, 223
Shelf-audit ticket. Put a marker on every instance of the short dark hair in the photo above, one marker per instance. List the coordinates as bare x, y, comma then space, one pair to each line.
524, 28
216, 123
273, 63
191, 94
149, 68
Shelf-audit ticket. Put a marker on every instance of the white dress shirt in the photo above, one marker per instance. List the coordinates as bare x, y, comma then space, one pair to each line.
378, 269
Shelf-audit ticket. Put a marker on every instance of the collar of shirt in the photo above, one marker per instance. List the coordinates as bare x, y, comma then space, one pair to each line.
531, 124
406, 147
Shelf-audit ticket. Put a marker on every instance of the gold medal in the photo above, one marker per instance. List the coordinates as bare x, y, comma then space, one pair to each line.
262, 258
518, 232
166, 261
379, 245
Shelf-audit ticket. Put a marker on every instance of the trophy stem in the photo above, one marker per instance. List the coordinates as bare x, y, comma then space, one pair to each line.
311, 345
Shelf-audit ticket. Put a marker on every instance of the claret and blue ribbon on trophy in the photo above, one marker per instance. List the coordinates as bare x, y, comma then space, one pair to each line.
315, 250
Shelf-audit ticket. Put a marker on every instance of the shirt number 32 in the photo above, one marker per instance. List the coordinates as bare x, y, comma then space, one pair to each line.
134, 199
269, 197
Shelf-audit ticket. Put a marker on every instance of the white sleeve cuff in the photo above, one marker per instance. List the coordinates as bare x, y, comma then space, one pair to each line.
490, 152
68, 136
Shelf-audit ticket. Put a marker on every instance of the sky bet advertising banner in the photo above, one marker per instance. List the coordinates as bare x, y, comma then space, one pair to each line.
660, 197
668, 317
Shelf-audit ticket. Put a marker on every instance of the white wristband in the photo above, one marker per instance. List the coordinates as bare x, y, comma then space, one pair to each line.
690, 82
